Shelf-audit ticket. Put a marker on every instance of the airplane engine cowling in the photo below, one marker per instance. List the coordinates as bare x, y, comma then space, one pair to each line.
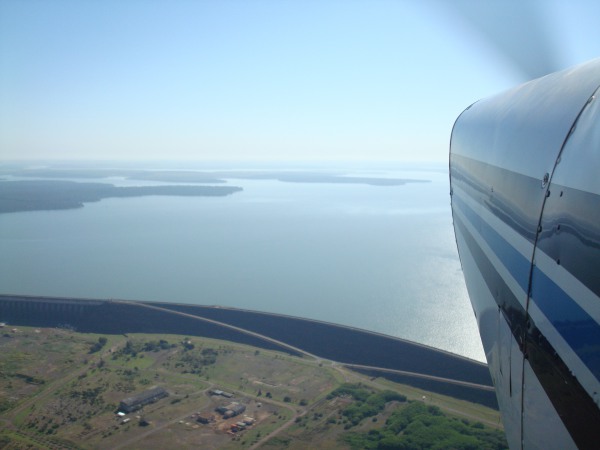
525, 192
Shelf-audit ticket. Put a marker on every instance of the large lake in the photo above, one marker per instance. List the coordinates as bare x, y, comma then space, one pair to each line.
379, 258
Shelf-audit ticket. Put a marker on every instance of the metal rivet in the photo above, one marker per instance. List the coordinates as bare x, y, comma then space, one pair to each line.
545, 179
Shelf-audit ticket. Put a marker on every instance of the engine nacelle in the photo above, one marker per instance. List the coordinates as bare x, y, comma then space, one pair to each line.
525, 189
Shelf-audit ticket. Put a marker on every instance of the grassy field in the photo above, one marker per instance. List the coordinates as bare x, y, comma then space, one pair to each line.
61, 390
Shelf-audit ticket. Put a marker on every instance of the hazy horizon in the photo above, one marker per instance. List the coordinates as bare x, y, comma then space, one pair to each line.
267, 80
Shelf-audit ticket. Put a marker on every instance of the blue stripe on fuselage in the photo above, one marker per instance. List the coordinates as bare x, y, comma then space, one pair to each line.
574, 324
517, 265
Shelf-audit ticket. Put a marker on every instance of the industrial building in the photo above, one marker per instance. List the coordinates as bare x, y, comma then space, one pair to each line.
137, 401
231, 410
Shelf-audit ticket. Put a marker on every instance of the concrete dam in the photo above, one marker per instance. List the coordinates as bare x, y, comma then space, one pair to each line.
371, 353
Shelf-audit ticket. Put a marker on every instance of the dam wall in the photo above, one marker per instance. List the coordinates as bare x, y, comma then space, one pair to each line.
346, 344
114, 317
338, 343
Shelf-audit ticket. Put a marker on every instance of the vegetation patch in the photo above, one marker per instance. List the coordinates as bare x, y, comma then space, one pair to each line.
419, 426
97, 346
368, 402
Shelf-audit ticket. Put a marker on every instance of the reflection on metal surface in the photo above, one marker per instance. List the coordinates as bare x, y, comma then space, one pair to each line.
526, 209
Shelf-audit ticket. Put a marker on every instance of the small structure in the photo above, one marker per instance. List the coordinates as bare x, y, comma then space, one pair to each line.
205, 418
231, 410
137, 401
221, 409
221, 393
248, 420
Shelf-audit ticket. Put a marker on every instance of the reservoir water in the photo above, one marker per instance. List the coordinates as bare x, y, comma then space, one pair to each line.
380, 258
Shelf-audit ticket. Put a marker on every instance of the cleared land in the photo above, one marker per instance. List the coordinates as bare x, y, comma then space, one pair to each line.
61, 389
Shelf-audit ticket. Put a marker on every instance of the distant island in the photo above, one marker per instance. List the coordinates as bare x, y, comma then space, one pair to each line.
40, 195
49, 187
286, 176
210, 176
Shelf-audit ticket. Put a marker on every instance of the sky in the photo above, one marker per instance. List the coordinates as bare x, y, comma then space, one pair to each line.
267, 80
